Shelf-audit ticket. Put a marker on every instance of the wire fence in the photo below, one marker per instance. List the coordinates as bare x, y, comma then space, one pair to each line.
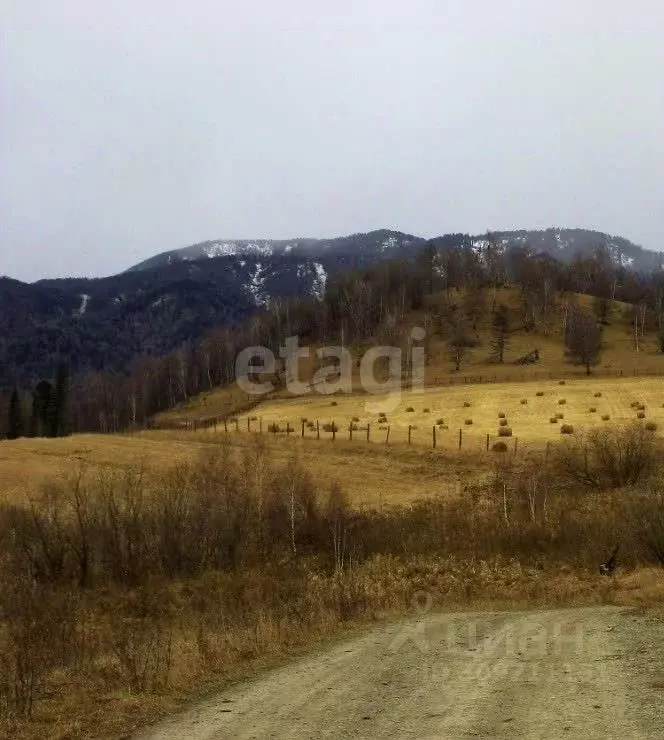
434, 437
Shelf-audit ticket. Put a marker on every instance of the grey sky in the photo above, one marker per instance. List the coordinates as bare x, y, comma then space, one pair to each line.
128, 128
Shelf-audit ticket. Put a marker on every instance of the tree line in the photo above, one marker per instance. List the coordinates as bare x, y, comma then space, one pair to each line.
452, 284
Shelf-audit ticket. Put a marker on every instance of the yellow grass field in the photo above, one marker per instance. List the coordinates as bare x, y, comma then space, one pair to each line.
373, 474
530, 422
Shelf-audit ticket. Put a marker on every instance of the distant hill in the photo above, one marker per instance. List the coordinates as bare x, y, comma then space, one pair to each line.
172, 298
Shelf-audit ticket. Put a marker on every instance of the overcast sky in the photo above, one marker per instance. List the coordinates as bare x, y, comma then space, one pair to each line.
131, 127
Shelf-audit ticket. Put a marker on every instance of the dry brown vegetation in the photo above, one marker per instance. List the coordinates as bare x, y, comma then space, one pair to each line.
125, 590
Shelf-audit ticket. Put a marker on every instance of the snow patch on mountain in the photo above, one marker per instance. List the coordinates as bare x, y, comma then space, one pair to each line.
320, 281
257, 284
231, 248
85, 299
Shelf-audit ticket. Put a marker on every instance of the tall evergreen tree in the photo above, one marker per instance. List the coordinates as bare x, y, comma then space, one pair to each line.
15, 426
56, 412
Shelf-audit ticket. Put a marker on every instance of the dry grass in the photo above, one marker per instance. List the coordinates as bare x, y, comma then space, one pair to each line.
530, 422
374, 475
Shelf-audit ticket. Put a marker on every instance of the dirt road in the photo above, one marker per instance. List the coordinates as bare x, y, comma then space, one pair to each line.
573, 673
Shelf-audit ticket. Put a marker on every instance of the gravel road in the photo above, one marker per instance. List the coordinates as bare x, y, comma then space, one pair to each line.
571, 673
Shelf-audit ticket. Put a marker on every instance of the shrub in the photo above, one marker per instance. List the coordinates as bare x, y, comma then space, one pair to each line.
425, 411
499, 447
554, 420
562, 401
523, 401
410, 409
440, 422
605, 417
641, 407
611, 457
468, 422
651, 426
330, 427
592, 410
353, 426
304, 419
539, 393
504, 432
641, 415
501, 414
566, 429
274, 428
356, 418
502, 422
560, 416
634, 404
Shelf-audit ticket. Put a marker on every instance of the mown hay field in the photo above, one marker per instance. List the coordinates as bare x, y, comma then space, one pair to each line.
474, 409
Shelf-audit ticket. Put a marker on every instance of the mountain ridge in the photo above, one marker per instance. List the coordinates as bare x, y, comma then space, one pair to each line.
171, 299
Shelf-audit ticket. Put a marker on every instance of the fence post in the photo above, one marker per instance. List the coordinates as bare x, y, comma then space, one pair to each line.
317, 429
195, 424
334, 431
368, 427
487, 442
387, 436
225, 425
434, 436
288, 429
248, 423
303, 429
260, 425
350, 431
460, 438
409, 434
237, 424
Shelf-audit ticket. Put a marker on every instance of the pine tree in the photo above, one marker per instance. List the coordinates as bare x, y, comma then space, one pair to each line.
500, 328
15, 426
56, 412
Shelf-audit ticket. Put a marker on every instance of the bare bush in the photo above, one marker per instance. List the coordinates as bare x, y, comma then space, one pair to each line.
610, 458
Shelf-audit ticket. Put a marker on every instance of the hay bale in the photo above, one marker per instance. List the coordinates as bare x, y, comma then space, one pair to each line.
523, 401
466, 404
641, 415
502, 422
605, 417
562, 401
468, 422
504, 432
553, 420
499, 447
651, 426
539, 393
501, 414
566, 429
592, 410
